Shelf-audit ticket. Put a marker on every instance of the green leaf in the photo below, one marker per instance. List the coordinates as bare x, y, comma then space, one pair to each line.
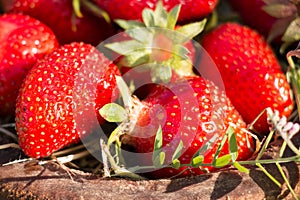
161, 73
113, 112
180, 52
206, 146
189, 31
126, 47
148, 17
222, 143
129, 24
241, 168
178, 151
159, 159
176, 164
222, 161
280, 10
292, 33
173, 17
198, 156
158, 142
197, 161
158, 156
141, 34
136, 58
233, 147
160, 15
124, 91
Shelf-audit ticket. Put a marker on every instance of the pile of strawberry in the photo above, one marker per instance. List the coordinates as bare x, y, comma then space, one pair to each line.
54, 81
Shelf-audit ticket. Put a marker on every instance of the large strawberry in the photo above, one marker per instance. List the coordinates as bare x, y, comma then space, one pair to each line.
191, 111
61, 18
132, 9
23, 40
58, 101
250, 71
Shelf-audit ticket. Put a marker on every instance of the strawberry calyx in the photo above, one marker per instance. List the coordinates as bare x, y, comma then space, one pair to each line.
125, 115
157, 41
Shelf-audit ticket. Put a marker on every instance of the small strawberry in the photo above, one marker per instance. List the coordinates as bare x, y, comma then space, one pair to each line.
132, 9
250, 71
192, 111
61, 18
23, 40
57, 102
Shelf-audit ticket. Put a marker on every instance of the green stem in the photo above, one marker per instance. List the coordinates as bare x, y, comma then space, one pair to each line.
251, 162
292, 146
96, 10
119, 171
265, 146
287, 181
76, 8
124, 90
268, 175
271, 161
282, 149
115, 135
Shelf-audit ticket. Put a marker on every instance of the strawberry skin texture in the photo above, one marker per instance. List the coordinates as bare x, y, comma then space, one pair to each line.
23, 40
59, 16
56, 105
250, 71
190, 10
192, 110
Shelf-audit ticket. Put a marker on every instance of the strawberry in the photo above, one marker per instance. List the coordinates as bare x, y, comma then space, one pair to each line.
191, 110
157, 49
253, 15
276, 19
61, 18
250, 71
190, 10
58, 100
23, 40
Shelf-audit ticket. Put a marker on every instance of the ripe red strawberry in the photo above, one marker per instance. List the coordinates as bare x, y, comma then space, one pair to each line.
192, 110
60, 98
60, 17
251, 73
156, 50
132, 9
23, 40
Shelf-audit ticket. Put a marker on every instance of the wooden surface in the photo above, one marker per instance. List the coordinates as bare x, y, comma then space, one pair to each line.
50, 181
30, 181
